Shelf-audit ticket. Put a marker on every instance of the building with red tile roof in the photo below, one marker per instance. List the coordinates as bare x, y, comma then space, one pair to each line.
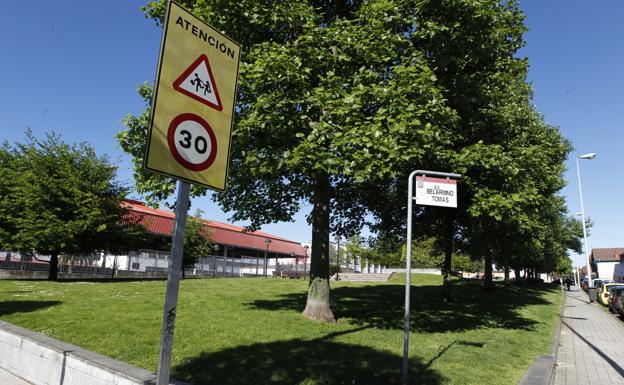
161, 222
238, 250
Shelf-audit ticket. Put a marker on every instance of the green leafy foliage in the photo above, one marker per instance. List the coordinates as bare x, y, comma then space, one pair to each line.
338, 101
59, 199
197, 241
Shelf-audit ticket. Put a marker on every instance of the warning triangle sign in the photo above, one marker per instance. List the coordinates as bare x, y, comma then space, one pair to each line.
198, 82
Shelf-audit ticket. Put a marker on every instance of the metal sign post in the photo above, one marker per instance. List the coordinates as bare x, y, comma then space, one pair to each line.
173, 284
408, 262
190, 128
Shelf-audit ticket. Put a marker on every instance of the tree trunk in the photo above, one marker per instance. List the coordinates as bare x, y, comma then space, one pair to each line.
53, 273
448, 247
448, 259
487, 279
317, 306
506, 275
518, 276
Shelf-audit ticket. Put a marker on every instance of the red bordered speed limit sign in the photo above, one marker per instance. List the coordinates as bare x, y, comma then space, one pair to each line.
192, 142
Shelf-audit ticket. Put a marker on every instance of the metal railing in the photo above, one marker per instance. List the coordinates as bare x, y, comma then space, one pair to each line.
207, 267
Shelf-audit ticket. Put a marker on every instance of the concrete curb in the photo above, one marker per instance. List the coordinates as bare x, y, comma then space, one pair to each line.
542, 370
40, 359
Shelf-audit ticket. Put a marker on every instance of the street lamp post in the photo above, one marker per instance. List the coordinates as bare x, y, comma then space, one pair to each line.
337, 258
578, 277
267, 242
215, 247
292, 255
305, 259
578, 172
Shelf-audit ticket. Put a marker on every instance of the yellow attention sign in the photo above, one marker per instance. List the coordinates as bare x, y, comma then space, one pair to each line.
191, 120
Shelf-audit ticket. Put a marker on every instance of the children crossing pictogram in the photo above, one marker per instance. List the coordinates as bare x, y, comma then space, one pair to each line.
198, 83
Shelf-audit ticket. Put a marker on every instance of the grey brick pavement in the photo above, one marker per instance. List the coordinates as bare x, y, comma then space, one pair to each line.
591, 344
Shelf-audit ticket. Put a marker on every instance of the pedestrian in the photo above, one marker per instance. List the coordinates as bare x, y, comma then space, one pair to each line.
568, 282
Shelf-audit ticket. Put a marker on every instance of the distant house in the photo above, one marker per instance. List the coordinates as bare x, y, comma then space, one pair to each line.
608, 262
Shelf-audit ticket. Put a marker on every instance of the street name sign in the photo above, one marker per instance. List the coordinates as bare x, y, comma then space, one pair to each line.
430, 191
194, 97
436, 191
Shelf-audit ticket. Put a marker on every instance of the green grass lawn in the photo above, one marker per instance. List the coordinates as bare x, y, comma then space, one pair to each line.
250, 331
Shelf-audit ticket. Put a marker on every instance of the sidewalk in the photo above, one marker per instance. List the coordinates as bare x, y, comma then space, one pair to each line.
591, 344
7, 378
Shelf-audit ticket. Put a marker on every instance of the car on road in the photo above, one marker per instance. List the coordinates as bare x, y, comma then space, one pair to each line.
603, 294
616, 299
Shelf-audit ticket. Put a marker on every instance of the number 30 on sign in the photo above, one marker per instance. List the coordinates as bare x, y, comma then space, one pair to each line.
192, 142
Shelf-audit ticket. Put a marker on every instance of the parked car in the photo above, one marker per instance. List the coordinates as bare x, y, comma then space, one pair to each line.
598, 282
616, 299
584, 284
603, 294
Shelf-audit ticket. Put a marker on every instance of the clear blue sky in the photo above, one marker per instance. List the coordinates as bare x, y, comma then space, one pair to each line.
73, 66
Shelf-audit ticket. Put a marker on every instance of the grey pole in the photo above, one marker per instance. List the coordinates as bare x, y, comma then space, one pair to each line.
173, 284
408, 265
257, 261
305, 259
408, 276
337, 258
215, 249
578, 173
267, 242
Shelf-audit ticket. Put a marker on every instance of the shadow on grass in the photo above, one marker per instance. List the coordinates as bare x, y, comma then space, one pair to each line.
319, 361
10, 307
382, 306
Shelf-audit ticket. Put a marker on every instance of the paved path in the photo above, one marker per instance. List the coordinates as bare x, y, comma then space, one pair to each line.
7, 378
591, 345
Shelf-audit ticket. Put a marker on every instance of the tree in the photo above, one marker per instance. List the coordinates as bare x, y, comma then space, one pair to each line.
333, 98
377, 254
426, 255
197, 242
462, 262
59, 199
339, 101
511, 160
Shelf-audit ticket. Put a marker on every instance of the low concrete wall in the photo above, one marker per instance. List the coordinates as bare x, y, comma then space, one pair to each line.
42, 360
416, 271
364, 277
22, 274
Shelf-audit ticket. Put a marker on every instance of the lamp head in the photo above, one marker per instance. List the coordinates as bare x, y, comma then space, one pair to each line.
590, 155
